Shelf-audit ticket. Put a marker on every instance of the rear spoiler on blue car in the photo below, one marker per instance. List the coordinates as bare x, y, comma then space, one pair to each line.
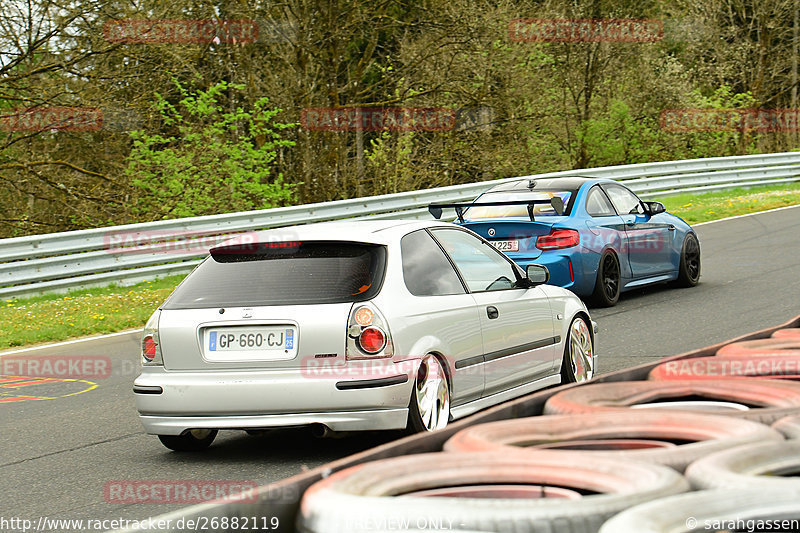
556, 202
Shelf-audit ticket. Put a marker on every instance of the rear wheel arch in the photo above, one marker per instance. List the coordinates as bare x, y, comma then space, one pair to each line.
443, 360
448, 373
608, 249
428, 345
585, 316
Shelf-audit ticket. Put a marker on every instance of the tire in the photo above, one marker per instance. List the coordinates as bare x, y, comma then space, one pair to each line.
392, 491
768, 400
789, 426
429, 406
607, 286
717, 367
193, 440
699, 435
689, 268
691, 511
788, 333
759, 465
577, 365
761, 347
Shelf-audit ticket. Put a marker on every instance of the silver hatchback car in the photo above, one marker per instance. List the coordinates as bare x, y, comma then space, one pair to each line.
354, 326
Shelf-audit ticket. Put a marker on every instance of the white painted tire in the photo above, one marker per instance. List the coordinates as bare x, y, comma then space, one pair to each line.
770, 399
750, 466
700, 435
376, 494
789, 426
694, 511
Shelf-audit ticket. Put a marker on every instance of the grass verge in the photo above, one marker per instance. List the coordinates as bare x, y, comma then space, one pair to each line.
57, 317
696, 208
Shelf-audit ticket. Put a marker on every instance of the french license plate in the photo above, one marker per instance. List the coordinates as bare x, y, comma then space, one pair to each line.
261, 342
506, 246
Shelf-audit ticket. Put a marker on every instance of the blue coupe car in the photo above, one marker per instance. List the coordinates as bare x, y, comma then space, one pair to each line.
595, 236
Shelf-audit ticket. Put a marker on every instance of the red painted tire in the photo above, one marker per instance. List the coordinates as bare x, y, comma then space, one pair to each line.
750, 466
391, 491
717, 367
789, 333
761, 347
760, 400
789, 427
699, 434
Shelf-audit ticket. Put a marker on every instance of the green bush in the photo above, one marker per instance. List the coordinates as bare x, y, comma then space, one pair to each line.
212, 161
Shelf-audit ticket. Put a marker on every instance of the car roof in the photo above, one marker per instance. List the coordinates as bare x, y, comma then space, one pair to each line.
369, 231
523, 184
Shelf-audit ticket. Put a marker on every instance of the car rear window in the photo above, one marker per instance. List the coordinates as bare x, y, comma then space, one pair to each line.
518, 211
290, 273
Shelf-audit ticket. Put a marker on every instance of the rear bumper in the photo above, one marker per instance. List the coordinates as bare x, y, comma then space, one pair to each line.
260, 399
338, 421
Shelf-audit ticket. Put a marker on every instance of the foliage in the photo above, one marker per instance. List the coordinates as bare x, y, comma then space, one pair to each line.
555, 105
214, 160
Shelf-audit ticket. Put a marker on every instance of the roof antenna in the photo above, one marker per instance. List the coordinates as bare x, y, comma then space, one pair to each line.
531, 184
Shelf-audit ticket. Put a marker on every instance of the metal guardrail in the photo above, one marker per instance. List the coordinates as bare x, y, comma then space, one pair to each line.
137, 252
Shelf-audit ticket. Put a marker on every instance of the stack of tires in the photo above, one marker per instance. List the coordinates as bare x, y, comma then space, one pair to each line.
706, 443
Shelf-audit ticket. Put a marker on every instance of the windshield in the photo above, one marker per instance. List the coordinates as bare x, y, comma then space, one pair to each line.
295, 274
517, 211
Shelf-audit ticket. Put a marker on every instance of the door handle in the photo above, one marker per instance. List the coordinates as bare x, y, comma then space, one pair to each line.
671, 228
492, 312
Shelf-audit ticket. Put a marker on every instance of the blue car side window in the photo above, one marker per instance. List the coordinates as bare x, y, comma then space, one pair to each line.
597, 204
624, 200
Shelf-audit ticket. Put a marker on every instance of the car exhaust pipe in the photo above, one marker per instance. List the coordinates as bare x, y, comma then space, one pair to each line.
321, 431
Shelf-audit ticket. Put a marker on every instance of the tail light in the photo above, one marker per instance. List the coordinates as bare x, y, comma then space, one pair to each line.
367, 333
151, 345
558, 238
149, 348
372, 340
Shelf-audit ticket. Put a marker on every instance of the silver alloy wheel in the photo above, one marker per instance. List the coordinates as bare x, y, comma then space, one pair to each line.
432, 394
581, 351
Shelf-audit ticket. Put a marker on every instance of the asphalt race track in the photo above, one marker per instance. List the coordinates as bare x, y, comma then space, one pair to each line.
58, 454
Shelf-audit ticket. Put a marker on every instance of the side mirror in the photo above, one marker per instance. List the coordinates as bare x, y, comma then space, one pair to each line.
537, 274
654, 208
